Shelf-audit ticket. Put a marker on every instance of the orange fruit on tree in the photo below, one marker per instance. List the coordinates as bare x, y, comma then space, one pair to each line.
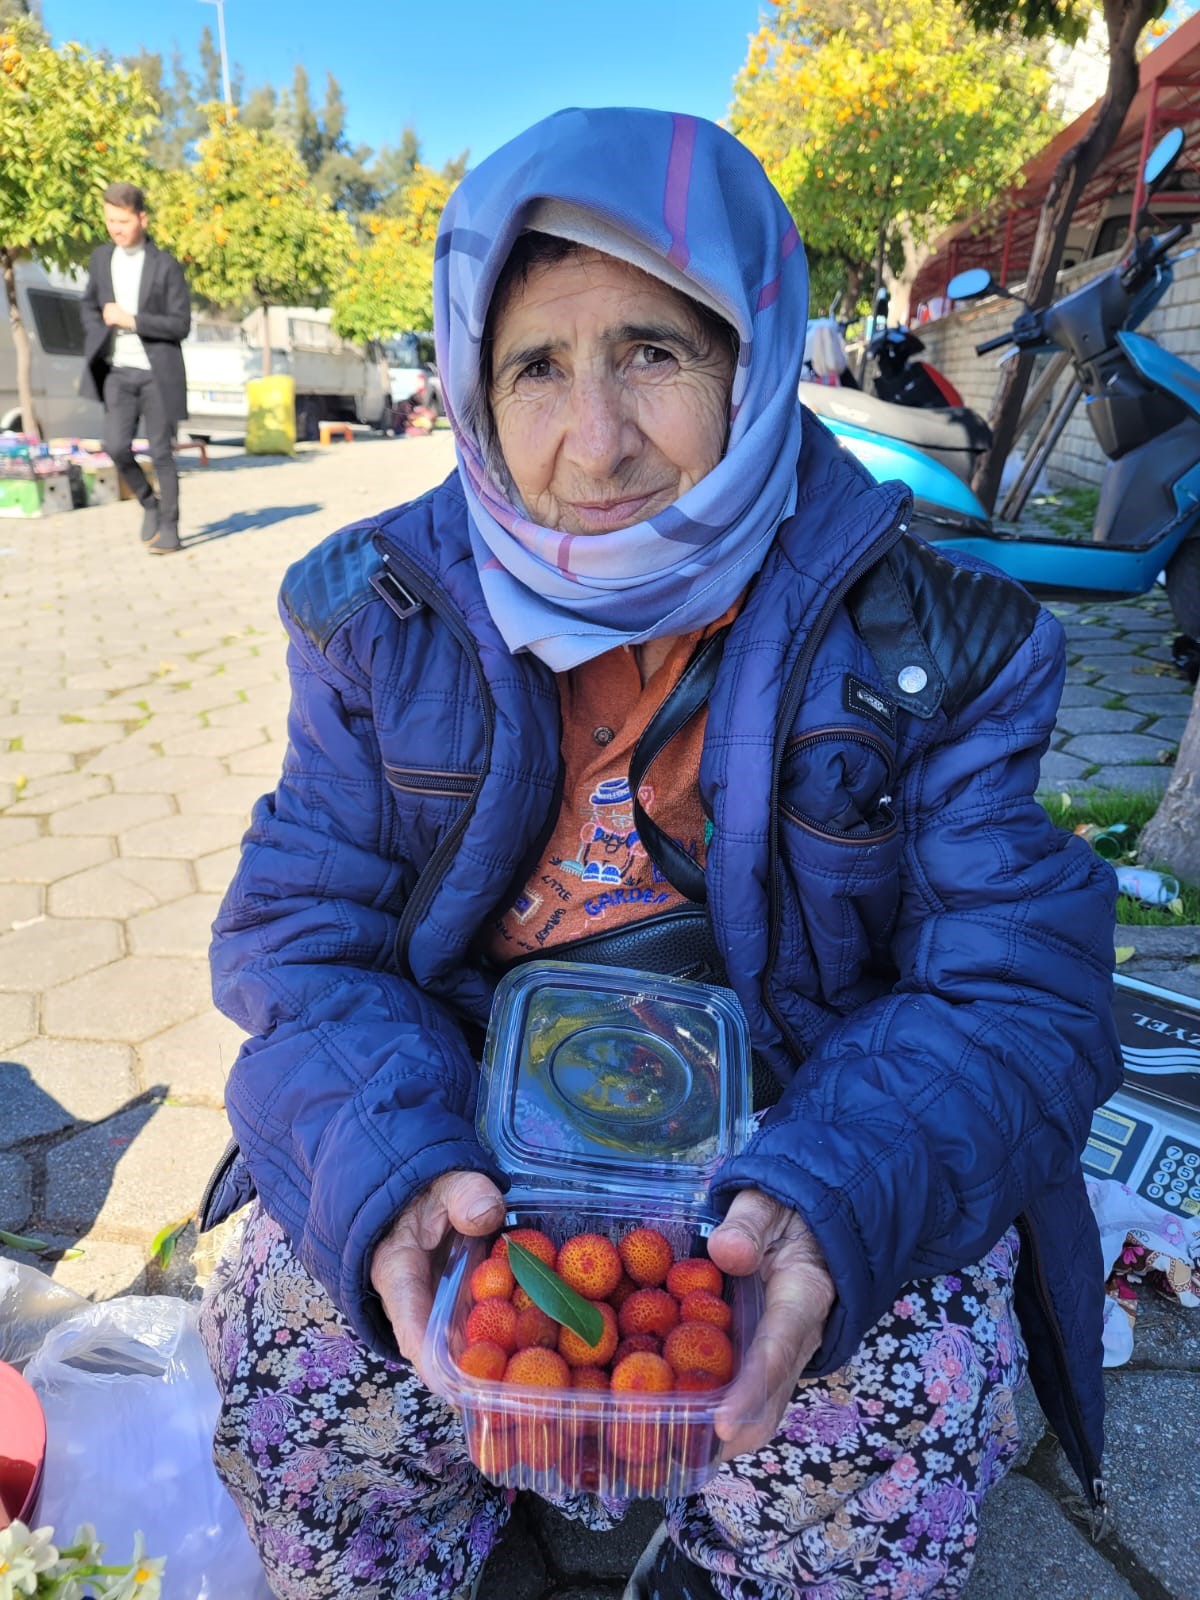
544, 1369
590, 1265
484, 1359
535, 1328
492, 1280
535, 1241
699, 1347
702, 1305
495, 1320
649, 1311
696, 1272
647, 1256
578, 1353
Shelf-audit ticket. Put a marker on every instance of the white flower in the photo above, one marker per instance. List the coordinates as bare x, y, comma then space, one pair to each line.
24, 1552
142, 1581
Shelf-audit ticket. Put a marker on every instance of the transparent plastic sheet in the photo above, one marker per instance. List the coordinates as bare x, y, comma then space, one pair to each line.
31, 1303
130, 1407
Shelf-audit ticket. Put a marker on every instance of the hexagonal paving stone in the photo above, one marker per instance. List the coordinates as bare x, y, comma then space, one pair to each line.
213, 742
1057, 768
43, 795
234, 796
137, 1171
70, 737
1082, 694
193, 1060
183, 837
169, 775
20, 902
121, 888
18, 1019
47, 860
18, 764
132, 999
1153, 779
264, 760
1134, 682
18, 830
74, 700
113, 814
183, 928
1097, 719
48, 1084
16, 1192
106, 1268
215, 873
1028, 1546
1161, 705
1114, 749
51, 951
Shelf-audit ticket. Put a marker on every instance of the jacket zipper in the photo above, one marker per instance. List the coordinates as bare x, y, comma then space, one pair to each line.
788, 708
228, 1157
1097, 1491
831, 829
414, 781
431, 875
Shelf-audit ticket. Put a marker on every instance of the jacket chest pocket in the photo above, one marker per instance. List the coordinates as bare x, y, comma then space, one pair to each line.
836, 783
427, 801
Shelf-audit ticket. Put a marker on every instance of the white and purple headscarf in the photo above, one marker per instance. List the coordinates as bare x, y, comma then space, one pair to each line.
683, 200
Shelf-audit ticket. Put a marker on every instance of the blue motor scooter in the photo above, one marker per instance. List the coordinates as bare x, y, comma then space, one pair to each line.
1144, 407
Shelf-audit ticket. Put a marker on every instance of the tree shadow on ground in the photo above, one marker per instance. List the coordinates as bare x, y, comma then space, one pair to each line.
249, 521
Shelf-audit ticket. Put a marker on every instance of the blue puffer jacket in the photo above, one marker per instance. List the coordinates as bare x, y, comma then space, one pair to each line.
923, 958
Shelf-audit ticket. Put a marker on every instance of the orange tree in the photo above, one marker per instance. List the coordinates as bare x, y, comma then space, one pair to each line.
388, 285
248, 225
70, 123
884, 119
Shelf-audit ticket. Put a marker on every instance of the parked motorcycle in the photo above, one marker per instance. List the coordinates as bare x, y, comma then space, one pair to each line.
1143, 404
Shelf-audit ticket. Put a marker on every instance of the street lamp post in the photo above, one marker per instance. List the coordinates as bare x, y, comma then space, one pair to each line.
220, 5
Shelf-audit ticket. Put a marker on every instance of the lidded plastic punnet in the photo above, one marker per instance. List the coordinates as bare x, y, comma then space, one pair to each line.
609, 1097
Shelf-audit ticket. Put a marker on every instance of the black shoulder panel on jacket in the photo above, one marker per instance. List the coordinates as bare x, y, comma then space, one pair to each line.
331, 582
958, 627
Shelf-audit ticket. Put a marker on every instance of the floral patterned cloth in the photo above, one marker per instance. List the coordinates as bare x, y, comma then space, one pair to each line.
354, 1480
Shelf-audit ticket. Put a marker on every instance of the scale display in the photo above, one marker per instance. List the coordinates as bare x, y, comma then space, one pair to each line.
1148, 1135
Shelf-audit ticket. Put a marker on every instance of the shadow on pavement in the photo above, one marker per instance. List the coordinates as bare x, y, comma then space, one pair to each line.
248, 521
55, 1170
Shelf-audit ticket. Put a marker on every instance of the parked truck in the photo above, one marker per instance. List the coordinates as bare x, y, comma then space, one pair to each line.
49, 306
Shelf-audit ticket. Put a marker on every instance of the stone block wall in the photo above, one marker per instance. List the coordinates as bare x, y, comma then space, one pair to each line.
1077, 459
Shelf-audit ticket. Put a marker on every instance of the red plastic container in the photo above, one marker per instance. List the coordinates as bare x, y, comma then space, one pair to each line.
609, 1097
22, 1447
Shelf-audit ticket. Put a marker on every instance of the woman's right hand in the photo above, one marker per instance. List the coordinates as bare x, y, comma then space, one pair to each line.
401, 1273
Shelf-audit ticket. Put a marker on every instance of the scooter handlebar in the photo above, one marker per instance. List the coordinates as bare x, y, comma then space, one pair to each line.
993, 344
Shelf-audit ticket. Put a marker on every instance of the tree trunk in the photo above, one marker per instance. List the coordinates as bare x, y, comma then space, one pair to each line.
20, 338
1172, 836
266, 342
1125, 22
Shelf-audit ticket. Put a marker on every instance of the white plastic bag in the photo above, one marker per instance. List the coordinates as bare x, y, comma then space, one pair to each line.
130, 1408
31, 1303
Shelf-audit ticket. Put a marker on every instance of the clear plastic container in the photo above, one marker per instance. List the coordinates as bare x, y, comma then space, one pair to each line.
609, 1097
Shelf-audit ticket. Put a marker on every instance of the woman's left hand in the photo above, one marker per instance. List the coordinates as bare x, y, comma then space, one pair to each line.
759, 1234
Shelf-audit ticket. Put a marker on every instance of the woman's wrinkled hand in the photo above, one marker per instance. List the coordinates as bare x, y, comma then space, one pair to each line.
759, 1234
401, 1268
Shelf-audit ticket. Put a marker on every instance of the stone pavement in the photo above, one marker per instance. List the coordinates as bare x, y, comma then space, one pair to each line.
142, 706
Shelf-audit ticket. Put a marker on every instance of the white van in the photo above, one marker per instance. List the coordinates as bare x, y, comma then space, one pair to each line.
49, 306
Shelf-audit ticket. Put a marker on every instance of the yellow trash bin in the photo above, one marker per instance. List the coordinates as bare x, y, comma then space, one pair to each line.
271, 422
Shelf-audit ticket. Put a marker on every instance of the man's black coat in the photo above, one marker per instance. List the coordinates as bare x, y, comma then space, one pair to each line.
164, 316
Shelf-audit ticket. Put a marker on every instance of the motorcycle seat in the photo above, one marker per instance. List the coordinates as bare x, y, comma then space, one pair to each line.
954, 435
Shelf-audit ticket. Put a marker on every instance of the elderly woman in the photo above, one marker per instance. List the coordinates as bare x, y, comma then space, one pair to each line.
660, 677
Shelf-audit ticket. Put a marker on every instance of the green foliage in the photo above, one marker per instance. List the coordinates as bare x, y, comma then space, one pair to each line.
1104, 808
70, 123
880, 117
246, 222
388, 285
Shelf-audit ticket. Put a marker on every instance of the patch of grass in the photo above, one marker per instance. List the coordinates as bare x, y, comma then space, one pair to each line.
1067, 513
1104, 808
70, 716
1115, 702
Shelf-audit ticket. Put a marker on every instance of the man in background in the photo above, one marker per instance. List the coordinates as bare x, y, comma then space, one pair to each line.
136, 312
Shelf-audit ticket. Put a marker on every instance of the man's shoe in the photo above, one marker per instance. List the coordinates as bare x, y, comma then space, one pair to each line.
165, 542
149, 521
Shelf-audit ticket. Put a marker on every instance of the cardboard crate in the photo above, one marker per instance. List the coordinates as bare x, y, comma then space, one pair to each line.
42, 496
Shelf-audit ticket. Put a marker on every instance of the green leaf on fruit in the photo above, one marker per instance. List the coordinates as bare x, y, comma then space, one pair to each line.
550, 1294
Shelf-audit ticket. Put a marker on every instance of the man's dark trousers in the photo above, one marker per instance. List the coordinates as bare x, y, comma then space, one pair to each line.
130, 392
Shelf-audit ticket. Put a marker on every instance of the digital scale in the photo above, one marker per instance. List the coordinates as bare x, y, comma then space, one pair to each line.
1148, 1135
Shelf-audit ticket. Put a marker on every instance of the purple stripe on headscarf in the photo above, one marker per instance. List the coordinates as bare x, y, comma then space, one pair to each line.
562, 556
675, 201
768, 295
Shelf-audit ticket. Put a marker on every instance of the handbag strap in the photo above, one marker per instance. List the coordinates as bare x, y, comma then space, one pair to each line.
680, 706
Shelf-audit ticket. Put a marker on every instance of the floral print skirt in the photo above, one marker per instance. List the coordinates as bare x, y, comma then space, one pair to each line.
354, 1480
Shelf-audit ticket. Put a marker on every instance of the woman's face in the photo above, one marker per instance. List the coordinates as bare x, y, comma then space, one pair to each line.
610, 397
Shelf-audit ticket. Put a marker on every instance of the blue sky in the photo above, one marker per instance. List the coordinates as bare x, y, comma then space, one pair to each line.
462, 72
